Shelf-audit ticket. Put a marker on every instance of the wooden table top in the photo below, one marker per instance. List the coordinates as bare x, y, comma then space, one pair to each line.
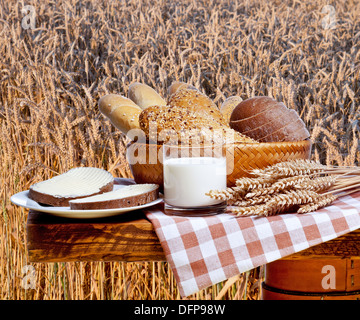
126, 237
131, 237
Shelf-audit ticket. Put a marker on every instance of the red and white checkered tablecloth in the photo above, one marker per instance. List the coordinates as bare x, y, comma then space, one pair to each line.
203, 251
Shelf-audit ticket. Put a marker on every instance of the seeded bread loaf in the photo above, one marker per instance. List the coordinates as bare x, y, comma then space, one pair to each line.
198, 102
179, 124
74, 184
145, 96
129, 196
122, 112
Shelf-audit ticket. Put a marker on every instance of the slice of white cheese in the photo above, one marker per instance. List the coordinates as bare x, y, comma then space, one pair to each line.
125, 192
77, 182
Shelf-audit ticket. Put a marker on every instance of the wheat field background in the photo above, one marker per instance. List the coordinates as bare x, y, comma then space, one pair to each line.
52, 76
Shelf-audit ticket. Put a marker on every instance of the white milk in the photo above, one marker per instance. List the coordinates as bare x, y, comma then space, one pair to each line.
186, 180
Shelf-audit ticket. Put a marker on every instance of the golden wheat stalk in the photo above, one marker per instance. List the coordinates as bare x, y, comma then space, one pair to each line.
321, 202
258, 210
292, 197
299, 185
227, 194
318, 184
278, 186
253, 183
252, 201
290, 169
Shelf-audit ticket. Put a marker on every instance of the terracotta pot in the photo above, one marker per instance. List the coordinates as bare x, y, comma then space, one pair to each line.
241, 158
312, 279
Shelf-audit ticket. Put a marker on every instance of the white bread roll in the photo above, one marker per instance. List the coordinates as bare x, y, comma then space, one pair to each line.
179, 85
145, 96
228, 106
122, 112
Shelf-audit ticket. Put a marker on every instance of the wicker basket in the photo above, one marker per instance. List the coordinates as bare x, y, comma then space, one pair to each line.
241, 158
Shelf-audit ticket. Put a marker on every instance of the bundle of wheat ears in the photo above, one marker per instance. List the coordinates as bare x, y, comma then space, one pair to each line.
300, 186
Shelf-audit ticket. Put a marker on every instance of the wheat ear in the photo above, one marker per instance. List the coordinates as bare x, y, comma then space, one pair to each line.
253, 183
278, 186
321, 202
227, 194
318, 184
258, 210
290, 169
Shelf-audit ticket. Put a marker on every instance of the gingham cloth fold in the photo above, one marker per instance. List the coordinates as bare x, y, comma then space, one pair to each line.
203, 251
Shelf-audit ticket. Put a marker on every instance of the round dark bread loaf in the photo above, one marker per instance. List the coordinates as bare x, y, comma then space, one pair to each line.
251, 107
276, 122
267, 120
293, 131
258, 120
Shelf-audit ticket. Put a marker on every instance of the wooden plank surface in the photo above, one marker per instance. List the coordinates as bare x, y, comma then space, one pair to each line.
131, 237
127, 237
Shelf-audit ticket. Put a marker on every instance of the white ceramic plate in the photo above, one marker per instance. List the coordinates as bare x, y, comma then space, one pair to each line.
22, 199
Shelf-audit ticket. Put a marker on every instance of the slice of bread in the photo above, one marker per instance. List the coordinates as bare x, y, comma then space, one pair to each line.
76, 183
129, 196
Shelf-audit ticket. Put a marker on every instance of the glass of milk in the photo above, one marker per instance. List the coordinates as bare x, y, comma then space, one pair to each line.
190, 171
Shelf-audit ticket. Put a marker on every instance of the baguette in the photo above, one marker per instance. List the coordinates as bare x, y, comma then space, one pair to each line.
121, 111
228, 106
144, 96
129, 196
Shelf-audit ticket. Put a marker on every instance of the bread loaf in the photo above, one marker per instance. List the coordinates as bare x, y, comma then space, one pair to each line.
179, 85
253, 106
74, 184
293, 131
195, 101
183, 125
129, 196
267, 120
275, 123
122, 112
144, 96
228, 106
281, 114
